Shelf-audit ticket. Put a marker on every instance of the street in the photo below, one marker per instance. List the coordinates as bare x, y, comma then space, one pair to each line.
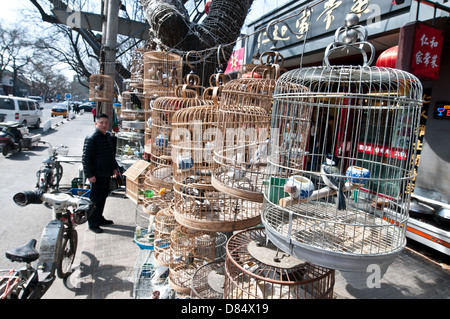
20, 224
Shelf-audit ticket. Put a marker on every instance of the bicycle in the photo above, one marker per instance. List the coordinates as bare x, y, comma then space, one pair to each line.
49, 176
57, 247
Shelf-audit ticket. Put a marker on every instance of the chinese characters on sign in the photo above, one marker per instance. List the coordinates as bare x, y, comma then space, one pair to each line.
426, 55
380, 150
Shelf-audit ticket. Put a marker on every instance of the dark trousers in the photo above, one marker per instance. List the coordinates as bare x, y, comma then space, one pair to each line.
99, 193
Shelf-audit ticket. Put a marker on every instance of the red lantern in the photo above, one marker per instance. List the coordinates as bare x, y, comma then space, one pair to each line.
388, 58
207, 6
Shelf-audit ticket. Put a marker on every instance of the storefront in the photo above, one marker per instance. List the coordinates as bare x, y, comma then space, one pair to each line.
301, 34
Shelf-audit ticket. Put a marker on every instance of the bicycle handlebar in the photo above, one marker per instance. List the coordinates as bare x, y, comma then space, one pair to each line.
59, 198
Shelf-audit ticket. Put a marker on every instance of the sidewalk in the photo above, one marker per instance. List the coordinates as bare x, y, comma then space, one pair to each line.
107, 262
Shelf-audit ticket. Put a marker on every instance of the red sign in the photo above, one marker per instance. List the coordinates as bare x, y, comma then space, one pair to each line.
427, 50
380, 150
236, 61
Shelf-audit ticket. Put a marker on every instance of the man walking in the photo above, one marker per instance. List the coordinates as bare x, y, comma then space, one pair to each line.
99, 165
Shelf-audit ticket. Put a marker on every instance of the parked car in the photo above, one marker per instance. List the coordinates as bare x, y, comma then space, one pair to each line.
59, 110
87, 107
21, 110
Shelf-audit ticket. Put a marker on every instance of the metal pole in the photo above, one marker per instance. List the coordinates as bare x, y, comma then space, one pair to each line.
109, 43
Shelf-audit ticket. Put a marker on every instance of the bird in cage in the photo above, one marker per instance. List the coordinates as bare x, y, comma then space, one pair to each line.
330, 174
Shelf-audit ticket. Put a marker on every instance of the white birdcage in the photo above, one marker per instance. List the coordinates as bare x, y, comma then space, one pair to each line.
340, 144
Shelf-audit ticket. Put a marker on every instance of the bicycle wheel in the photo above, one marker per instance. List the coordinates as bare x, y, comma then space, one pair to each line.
66, 254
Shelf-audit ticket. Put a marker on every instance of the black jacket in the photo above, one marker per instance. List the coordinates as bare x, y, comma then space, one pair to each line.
99, 155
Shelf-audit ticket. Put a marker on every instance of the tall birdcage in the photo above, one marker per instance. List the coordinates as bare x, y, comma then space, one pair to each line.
101, 88
189, 249
325, 181
198, 204
240, 160
256, 269
137, 69
163, 109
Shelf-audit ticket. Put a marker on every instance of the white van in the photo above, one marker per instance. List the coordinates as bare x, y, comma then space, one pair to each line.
21, 110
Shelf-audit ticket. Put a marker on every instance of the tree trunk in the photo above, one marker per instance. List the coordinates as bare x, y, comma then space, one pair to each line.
172, 30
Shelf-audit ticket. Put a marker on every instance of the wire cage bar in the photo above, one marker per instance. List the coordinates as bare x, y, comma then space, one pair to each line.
256, 269
189, 249
198, 204
208, 281
352, 145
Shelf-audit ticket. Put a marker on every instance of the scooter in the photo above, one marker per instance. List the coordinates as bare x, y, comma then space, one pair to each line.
11, 137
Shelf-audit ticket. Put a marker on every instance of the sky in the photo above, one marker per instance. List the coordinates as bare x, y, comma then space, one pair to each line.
10, 12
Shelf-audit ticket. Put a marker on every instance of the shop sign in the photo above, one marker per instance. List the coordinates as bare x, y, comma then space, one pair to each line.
427, 49
315, 21
442, 110
380, 150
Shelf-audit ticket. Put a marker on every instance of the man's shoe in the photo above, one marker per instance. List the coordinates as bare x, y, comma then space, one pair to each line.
105, 222
96, 230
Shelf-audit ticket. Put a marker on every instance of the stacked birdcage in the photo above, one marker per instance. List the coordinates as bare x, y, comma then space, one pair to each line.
256, 269
165, 223
162, 73
161, 172
101, 88
360, 150
198, 204
189, 249
244, 120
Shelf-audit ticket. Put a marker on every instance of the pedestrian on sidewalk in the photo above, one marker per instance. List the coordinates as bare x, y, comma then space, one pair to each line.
99, 164
93, 113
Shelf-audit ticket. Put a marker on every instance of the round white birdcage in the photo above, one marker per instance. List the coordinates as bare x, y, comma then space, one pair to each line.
340, 146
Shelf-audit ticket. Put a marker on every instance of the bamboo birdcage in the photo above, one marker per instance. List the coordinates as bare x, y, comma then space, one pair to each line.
198, 204
163, 109
163, 72
133, 109
137, 69
101, 88
244, 119
364, 126
165, 223
189, 249
256, 269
